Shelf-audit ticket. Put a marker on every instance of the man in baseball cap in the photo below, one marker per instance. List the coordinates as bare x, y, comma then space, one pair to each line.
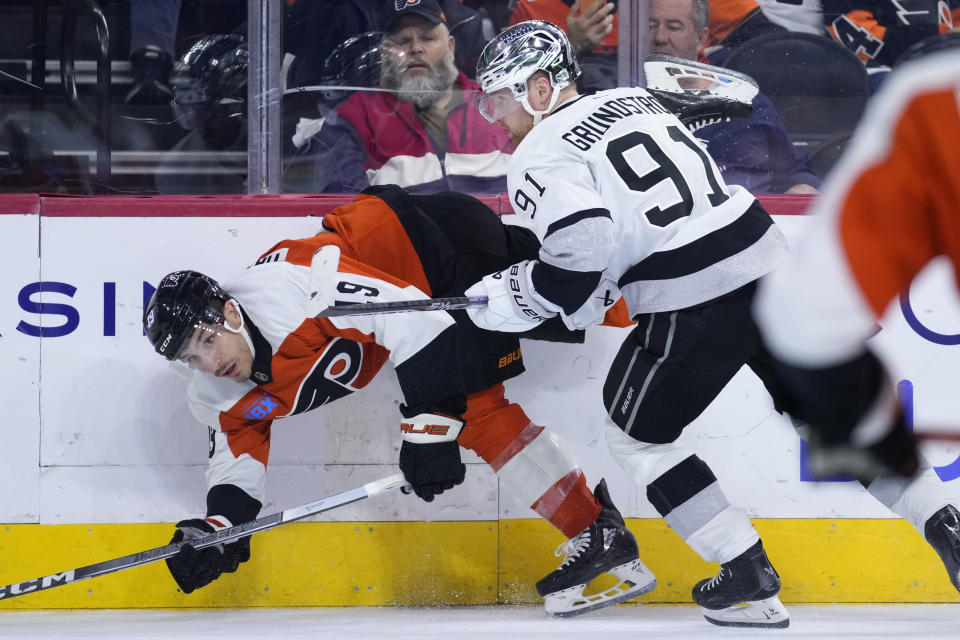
393, 10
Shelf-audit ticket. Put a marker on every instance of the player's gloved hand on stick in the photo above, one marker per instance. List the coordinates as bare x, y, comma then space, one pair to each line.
430, 454
193, 568
511, 306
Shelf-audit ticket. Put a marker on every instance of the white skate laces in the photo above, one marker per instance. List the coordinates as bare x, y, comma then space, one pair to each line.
715, 580
572, 548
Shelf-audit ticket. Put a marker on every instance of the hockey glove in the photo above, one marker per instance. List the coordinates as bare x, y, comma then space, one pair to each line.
193, 568
511, 305
430, 454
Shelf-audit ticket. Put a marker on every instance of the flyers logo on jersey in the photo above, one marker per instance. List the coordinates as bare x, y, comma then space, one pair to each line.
400, 5
425, 429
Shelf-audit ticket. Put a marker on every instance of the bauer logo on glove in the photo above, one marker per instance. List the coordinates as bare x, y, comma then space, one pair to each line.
512, 306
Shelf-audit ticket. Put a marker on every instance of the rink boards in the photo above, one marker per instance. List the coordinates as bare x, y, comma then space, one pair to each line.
99, 445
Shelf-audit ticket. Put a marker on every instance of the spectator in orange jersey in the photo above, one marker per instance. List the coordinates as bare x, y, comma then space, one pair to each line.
880, 31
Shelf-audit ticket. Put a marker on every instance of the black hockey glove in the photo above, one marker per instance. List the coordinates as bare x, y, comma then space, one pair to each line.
430, 454
193, 568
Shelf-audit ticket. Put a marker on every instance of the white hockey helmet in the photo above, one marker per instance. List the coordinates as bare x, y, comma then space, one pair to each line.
520, 51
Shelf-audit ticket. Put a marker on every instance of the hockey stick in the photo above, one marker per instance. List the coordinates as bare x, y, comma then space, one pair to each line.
323, 304
429, 304
224, 535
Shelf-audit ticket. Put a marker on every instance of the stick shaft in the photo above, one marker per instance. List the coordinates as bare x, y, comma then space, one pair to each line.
224, 535
429, 304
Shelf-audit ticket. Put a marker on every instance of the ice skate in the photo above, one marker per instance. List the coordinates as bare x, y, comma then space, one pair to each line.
942, 531
744, 593
606, 546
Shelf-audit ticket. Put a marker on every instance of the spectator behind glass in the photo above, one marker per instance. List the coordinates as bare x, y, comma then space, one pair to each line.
880, 31
422, 132
753, 152
591, 26
314, 29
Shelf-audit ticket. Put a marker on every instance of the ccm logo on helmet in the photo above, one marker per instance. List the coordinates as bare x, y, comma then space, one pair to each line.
427, 429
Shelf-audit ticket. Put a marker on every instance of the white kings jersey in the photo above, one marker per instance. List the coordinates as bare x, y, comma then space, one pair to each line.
621, 195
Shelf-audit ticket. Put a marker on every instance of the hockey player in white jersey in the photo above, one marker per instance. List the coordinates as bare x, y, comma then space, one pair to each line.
626, 202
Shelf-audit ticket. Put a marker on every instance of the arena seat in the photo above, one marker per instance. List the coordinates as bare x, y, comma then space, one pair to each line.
819, 87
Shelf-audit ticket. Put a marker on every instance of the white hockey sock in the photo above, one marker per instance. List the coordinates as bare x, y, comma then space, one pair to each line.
705, 520
913, 499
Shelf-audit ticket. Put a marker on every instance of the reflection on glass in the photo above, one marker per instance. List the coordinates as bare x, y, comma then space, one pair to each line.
371, 96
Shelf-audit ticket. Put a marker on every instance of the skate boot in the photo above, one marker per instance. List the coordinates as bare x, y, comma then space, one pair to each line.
942, 531
606, 546
744, 593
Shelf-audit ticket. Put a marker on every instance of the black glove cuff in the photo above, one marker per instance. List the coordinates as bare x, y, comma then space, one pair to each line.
232, 502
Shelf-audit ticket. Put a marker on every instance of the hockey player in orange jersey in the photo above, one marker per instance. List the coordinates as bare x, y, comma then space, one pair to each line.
890, 207
265, 356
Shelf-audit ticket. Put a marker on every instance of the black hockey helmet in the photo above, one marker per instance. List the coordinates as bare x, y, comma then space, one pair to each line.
182, 301
355, 61
210, 85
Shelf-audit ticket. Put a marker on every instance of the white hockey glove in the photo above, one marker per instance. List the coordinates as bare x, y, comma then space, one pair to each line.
430, 454
511, 306
193, 569
592, 311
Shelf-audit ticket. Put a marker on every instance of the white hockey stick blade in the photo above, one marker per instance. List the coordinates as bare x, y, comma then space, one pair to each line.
224, 535
429, 304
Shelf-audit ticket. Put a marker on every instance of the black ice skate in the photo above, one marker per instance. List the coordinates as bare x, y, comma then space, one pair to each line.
606, 546
942, 531
744, 593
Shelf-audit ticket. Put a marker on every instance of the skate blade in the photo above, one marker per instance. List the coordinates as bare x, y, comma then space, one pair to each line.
769, 613
635, 580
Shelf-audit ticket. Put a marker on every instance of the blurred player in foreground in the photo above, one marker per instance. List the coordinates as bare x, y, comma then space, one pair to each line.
263, 355
892, 205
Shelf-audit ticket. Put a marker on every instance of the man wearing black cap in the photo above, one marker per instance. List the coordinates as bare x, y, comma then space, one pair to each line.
421, 134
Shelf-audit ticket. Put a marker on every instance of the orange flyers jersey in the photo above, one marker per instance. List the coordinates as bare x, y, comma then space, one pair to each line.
879, 31
302, 363
890, 206
900, 203
556, 11
725, 16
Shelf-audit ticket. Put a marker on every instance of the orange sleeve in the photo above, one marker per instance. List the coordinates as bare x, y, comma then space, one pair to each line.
900, 211
725, 16
617, 315
252, 438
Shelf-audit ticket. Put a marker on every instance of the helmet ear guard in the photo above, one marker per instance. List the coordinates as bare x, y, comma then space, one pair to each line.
183, 301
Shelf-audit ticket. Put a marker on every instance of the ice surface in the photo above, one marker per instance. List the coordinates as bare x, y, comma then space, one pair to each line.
931, 622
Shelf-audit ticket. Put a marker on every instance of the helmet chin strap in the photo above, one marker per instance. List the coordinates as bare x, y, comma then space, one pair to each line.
538, 115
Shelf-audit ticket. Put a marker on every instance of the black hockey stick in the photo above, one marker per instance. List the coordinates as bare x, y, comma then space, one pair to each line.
224, 535
429, 304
